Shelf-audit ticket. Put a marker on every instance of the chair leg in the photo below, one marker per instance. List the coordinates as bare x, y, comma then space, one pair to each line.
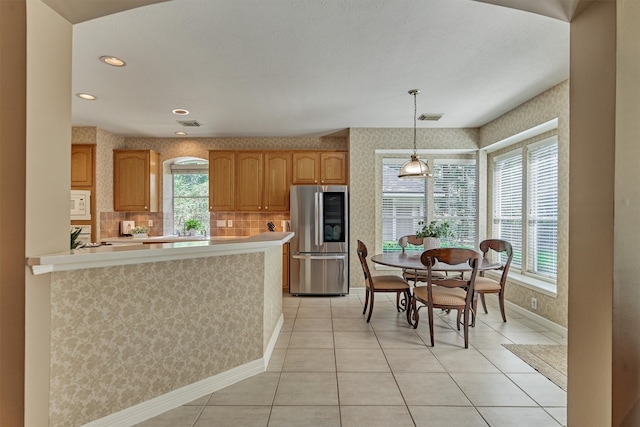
484, 305
406, 295
466, 327
371, 306
398, 302
458, 318
431, 325
501, 300
366, 301
473, 312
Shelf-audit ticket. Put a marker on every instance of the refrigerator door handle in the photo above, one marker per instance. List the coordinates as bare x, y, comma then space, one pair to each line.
320, 205
343, 256
315, 218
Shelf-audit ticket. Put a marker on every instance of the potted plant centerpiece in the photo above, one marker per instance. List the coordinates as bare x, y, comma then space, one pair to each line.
139, 232
192, 226
433, 232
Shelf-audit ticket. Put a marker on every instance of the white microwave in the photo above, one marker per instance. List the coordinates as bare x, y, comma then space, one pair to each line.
80, 204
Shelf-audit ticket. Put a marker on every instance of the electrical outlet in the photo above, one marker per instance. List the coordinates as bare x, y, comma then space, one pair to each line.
150, 223
220, 222
534, 303
229, 223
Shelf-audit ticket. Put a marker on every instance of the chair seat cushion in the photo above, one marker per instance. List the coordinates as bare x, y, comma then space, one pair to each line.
484, 284
389, 283
441, 295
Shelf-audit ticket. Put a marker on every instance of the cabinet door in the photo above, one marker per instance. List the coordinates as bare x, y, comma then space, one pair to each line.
277, 179
333, 168
285, 266
222, 167
249, 181
306, 168
82, 165
132, 181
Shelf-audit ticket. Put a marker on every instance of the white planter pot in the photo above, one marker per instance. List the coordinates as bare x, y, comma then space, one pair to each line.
431, 243
140, 235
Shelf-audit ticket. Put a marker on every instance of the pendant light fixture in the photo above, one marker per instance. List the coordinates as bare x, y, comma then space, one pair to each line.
414, 168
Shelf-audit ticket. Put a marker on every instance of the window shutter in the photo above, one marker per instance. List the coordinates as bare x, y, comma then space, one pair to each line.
542, 231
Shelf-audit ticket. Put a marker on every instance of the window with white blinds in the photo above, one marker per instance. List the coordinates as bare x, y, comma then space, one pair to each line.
507, 202
404, 204
542, 220
455, 199
525, 207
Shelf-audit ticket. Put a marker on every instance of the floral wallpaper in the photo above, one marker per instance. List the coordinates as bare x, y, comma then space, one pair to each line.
123, 335
364, 198
549, 105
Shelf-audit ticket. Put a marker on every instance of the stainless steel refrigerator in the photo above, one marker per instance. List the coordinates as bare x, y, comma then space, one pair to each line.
319, 252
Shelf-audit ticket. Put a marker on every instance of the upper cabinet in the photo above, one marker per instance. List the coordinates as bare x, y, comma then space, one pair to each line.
277, 180
222, 172
82, 165
320, 167
136, 180
249, 181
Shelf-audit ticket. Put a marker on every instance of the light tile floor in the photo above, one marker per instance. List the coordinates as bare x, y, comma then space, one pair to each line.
331, 368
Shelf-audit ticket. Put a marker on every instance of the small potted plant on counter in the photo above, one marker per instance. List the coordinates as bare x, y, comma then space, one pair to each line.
433, 232
192, 226
139, 232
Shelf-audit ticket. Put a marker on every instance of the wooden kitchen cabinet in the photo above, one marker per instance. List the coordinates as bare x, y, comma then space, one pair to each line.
249, 185
277, 180
83, 163
222, 173
320, 167
285, 266
262, 181
136, 180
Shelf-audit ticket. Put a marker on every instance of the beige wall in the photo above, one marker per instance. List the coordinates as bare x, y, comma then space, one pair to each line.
48, 145
591, 202
362, 191
549, 105
626, 292
13, 64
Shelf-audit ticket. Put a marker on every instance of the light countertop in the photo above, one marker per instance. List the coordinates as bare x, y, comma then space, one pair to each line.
104, 256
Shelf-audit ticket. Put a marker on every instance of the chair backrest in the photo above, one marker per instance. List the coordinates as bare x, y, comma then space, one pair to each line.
362, 256
498, 246
410, 239
452, 257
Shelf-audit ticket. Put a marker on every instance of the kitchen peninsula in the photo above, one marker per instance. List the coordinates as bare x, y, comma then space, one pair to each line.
137, 330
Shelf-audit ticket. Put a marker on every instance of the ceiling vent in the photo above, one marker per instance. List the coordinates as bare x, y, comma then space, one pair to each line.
431, 117
189, 123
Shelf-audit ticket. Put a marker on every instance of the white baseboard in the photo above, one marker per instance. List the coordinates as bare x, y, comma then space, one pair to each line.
553, 327
158, 405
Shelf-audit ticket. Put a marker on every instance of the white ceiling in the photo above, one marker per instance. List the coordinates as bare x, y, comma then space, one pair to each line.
292, 67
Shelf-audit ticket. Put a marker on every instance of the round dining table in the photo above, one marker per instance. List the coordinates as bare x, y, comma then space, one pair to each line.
411, 261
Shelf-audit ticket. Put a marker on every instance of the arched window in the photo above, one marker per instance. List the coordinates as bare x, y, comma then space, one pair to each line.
190, 180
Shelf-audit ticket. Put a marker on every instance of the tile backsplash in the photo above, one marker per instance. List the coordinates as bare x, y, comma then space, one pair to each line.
243, 223
246, 223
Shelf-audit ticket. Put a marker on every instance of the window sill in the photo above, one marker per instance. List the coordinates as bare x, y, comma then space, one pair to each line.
528, 282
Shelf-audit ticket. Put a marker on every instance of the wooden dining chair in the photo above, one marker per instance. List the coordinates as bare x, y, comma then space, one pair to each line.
485, 285
449, 292
410, 275
387, 283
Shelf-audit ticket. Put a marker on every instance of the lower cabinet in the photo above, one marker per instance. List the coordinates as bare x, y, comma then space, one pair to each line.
285, 266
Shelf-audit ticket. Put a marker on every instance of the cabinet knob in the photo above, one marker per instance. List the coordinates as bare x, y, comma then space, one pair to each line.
266, 207
145, 207
315, 181
259, 208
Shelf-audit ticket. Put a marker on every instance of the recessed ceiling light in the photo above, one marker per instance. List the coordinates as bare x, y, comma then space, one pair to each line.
180, 112
181, 133
113, 61
87, 96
